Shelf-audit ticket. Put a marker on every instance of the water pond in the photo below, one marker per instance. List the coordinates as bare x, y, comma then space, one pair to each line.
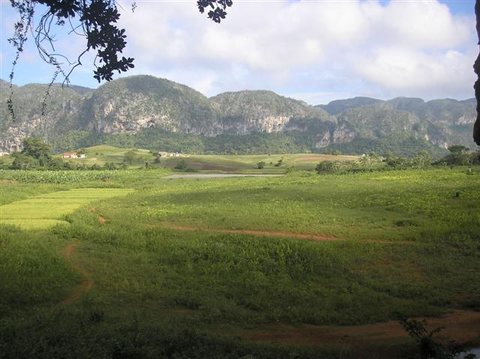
218, 175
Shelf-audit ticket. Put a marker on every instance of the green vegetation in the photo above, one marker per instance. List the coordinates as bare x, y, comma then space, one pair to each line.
161, 140
460, 156
405, 146
105, 157
261, 165
46, 210
160, 115
429, 345
35, 154
187, 268
254, 143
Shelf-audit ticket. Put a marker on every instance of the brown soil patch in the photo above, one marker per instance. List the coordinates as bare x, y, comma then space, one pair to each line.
279, 234
370, 340
7, 181
275, 234
309, 158
68, 251
324, 157
85, 285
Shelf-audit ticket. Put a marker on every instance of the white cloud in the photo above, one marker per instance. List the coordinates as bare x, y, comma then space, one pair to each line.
422, 24
405, 46
315, 48
403, 70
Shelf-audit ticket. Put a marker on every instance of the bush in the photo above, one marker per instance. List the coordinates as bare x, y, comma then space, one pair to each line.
261, 165
459, 156
110, 166
181, 165
23, 162
329, 167
131, 157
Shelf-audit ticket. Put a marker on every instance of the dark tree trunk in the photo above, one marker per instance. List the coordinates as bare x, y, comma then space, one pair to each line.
476, 68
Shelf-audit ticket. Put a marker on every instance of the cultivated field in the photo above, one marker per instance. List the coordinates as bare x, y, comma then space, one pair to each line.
131, 264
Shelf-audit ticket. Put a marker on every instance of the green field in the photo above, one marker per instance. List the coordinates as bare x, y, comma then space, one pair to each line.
102, 154
46, 210
233, 267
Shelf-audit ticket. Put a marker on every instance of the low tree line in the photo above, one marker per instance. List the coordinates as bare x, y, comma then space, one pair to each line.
457, 156
36, 154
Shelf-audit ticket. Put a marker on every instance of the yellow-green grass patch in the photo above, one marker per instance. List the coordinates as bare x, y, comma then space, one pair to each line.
49, 209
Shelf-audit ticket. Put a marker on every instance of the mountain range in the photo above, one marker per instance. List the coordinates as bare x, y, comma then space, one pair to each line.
158, 114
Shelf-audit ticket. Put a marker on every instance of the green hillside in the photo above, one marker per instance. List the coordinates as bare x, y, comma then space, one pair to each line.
161, 115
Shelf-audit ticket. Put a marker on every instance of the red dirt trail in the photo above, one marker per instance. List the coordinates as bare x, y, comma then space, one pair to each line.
370, 340
85, 285
366, 341
277, 234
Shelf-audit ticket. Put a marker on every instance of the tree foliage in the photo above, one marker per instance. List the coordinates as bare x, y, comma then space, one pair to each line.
429, 345
36, 148
458, 149
35, 154
459, 156
476, 68
93, 19
131, 157
217, 8
261, 165
23, 162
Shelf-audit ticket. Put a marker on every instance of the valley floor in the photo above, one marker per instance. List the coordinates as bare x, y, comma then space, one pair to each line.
117, 264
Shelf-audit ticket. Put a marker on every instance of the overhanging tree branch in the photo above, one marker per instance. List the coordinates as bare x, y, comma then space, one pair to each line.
97, 23
476, 68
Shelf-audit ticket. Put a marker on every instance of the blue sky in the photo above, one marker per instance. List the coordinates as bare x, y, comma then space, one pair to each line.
460, 6
313, 50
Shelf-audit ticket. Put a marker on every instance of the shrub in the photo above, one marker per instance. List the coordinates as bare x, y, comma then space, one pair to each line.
181, 165
328, 167
261, 165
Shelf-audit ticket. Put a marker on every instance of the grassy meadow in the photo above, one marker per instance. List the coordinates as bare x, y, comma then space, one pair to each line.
103, 154
213, 268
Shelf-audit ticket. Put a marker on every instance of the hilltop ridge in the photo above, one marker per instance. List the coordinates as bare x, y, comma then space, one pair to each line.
150, 110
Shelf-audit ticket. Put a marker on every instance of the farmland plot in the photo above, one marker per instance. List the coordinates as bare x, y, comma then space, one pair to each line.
48, 209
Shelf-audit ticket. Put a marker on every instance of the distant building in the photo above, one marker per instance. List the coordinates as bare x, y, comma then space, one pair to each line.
73, 155
69, 155
170, 154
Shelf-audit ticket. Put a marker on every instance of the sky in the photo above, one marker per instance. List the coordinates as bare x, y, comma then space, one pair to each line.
311, 50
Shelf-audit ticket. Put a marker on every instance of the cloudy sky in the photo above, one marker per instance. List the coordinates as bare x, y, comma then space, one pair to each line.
313, 50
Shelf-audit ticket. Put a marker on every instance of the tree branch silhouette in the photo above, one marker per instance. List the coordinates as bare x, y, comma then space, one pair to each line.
476, 68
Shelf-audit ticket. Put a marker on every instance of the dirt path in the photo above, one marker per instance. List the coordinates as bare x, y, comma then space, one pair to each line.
85, 285
277, 234
367, 340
